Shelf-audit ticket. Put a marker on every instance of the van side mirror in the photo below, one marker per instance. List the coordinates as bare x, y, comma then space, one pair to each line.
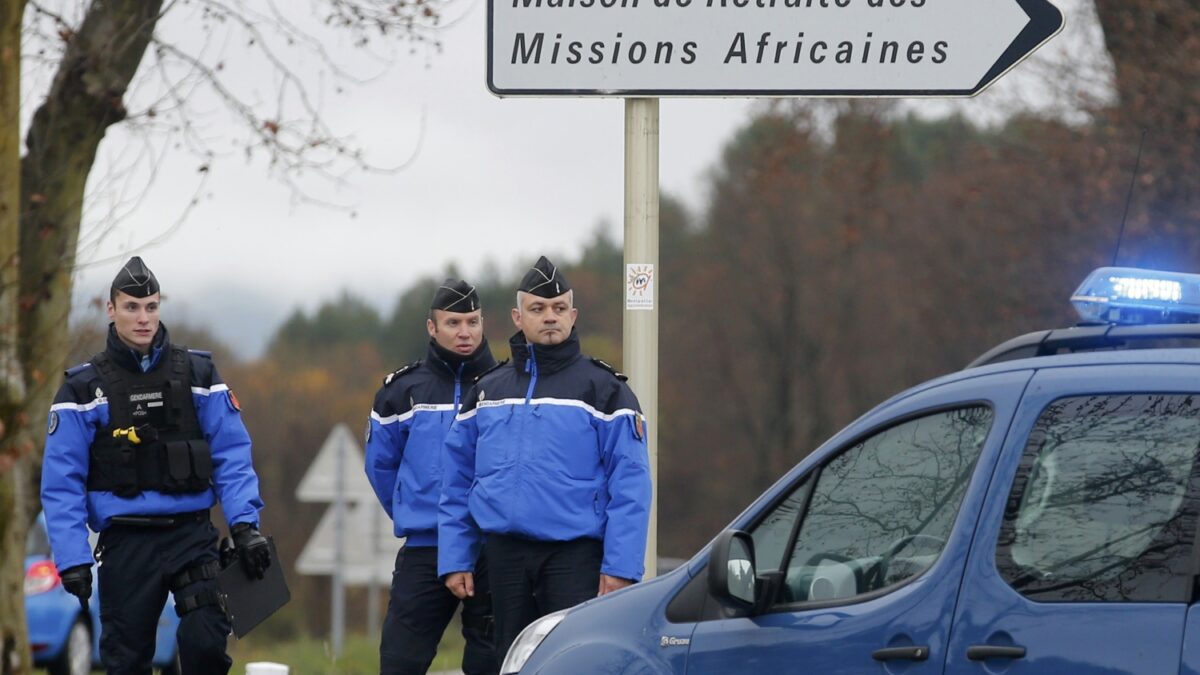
731, 574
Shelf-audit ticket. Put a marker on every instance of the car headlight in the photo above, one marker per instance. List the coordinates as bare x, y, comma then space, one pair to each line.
528, 641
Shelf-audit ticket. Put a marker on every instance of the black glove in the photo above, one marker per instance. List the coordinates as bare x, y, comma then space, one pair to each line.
77, 581
252, 549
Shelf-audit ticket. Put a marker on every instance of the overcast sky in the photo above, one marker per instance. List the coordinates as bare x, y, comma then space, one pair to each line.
489, 178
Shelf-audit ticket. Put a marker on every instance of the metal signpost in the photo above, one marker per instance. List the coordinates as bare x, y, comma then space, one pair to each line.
640, 335
644, 49
336, 476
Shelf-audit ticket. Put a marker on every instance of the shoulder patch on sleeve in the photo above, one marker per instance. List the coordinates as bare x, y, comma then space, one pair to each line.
620, 376
397, 373
75, 370
498, 364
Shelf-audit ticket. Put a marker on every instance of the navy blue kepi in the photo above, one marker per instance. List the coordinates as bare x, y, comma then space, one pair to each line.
544, 279
455, 296
135, 279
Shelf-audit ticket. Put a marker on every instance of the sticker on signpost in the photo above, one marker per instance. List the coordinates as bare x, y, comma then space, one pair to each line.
639, 287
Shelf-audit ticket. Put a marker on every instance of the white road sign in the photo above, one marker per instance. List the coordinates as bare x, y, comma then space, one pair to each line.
760, 47
320, 481
370, 553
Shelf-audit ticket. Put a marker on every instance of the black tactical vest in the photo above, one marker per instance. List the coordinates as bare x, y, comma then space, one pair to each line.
171, 455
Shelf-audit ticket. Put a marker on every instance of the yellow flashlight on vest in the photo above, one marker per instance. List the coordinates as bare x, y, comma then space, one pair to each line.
130, 433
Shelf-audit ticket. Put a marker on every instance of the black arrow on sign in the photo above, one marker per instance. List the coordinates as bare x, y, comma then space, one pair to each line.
1045, 20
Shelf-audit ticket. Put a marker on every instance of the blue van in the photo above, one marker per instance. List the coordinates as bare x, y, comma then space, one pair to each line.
64, 639
1033, 514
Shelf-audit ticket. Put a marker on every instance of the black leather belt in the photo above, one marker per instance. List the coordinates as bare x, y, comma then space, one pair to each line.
170, 520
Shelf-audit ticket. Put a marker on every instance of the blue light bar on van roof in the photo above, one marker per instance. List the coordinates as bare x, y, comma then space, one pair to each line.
1127, 295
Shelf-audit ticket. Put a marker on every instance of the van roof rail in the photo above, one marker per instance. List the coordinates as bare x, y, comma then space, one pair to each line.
1086, 338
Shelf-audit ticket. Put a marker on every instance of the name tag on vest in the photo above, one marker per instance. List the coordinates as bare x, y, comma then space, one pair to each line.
146, 407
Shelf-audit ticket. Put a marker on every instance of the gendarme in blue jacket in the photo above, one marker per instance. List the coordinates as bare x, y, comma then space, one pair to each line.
80, 410
548, 447
412, 413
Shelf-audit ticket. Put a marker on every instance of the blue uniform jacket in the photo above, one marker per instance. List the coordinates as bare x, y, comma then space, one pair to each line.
549, 447
412, 413
80, 409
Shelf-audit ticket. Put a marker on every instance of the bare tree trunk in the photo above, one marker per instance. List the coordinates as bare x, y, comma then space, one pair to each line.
1156, 60
14, 462
35, 286
85, 98
1153, 48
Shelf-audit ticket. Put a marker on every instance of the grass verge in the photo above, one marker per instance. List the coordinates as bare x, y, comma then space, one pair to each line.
312, 656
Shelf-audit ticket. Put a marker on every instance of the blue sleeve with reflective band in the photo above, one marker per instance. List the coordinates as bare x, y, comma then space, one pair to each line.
64, 477
627, 470
234, 479
458, 536
385, 448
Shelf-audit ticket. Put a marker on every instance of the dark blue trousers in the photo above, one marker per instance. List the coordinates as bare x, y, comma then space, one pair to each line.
419, 610
531, 579
136, 568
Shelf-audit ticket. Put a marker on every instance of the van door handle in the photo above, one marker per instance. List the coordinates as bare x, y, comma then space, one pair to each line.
914, 653
984, 652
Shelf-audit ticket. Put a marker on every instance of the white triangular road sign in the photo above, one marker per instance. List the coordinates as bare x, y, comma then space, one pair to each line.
320, 481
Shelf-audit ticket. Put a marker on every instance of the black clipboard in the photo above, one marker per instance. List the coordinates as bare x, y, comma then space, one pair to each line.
249, 601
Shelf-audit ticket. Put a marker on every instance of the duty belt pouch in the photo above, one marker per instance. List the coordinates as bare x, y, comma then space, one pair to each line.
188, 466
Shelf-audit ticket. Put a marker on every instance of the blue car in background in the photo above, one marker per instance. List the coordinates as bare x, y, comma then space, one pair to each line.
64, 639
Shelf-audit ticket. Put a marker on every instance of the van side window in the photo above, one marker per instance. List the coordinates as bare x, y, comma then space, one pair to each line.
772, 535
881, 511
1103, 507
